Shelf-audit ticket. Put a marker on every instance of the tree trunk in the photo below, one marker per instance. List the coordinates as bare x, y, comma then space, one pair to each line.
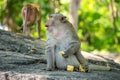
114, 18
55, 6
74, 7
8, 20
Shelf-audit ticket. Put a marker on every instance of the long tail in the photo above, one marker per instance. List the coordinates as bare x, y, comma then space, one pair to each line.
99, 68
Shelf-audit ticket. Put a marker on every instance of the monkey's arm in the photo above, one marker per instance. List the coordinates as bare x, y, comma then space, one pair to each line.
72, 49
50, 57
50, 53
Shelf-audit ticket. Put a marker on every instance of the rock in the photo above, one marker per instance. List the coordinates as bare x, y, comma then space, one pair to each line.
22, 58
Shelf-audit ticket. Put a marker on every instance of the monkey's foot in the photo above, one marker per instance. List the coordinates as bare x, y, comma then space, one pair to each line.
50, 69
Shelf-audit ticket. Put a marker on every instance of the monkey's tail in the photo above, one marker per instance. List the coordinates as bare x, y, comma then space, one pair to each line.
99, 68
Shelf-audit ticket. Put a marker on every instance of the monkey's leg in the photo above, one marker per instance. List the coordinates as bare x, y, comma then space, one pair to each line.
83, 62
24, 27
74, 49
25, 31
39, 28
98, 67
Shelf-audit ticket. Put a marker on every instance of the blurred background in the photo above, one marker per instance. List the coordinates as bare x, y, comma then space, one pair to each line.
96, 21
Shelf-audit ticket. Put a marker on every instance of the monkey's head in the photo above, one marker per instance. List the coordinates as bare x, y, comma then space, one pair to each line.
55, 20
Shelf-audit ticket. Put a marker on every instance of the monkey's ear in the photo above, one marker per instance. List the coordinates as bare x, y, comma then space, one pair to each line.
63, 19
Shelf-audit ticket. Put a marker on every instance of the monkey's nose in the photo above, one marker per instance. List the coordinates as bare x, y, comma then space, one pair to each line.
46, 25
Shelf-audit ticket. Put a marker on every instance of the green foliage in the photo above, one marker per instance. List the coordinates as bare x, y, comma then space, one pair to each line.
98, 31
95, 27
15, 7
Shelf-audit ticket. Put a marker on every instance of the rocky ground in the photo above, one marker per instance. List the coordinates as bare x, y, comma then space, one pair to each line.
23, 58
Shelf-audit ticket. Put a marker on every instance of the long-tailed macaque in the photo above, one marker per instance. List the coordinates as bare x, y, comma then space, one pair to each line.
62, 38
31, 14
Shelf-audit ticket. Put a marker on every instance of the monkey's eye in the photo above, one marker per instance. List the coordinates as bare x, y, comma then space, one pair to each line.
63, 18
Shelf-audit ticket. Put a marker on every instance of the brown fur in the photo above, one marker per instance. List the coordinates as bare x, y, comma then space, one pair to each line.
31, 14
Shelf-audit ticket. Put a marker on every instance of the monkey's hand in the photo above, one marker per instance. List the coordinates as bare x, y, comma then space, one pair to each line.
63, 54
81, 68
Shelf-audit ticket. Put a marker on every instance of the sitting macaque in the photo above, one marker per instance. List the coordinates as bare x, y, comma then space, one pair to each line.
63, 46
31, 14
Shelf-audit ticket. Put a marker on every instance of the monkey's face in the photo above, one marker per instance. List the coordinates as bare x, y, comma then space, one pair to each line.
55, 20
